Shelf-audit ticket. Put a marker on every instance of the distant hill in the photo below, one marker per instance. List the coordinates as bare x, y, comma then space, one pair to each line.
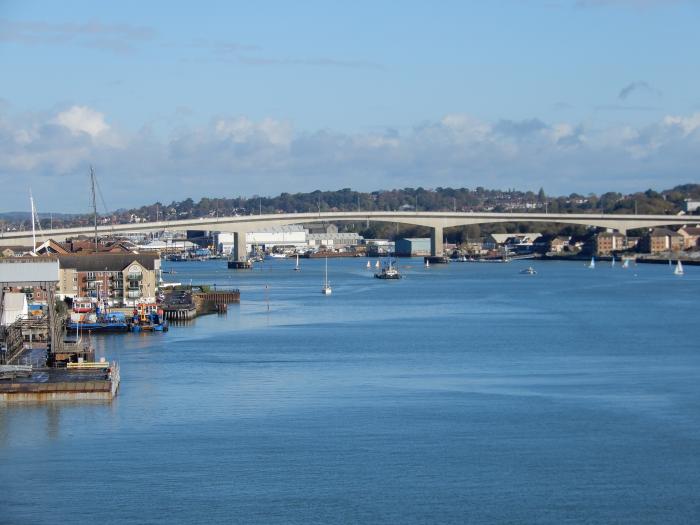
12, 216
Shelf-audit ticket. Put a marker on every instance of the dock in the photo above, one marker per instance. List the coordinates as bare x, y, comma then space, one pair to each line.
93, 382
37, 363
185, 305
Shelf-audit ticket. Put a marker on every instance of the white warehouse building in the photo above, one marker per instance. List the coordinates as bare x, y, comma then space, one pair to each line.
293, 236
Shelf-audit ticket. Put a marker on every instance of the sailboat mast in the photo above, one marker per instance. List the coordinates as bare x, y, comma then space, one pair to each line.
94, 202
31, 203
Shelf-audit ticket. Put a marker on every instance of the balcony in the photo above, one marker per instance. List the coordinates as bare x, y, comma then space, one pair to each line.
133, 294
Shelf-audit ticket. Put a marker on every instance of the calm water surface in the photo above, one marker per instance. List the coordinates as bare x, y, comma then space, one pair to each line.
463, 394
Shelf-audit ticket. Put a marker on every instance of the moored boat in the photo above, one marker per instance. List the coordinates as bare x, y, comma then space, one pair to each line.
148, 317
326, 289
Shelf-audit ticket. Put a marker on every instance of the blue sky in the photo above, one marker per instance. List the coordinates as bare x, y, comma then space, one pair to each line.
242, 98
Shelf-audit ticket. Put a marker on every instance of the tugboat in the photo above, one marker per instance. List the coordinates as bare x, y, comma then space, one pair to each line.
148, 317
389, 272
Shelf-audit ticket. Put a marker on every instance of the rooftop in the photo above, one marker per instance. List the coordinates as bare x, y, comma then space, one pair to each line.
107, 262
29, 270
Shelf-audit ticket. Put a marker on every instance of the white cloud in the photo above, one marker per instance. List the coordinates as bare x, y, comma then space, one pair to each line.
82, 119
241, 155
242, 129
687, 124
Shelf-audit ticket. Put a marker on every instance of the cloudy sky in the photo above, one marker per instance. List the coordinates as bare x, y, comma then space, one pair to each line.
241, 98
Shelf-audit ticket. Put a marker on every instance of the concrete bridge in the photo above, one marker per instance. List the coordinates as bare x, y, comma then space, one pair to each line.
436, 221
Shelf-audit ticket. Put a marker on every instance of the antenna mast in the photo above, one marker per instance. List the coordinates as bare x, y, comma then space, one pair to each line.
94, 202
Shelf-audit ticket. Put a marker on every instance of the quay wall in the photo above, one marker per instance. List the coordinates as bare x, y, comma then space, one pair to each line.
96, 390
63, 391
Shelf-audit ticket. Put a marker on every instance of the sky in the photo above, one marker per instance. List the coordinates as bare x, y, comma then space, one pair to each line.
169, 100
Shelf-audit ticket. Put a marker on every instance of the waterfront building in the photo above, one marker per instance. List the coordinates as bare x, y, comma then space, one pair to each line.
32, 277
378, 247
223, 242
691, 236
660, 240
515, 241
326, 234
114, 279
293, 237
333, 240
411, 247
551, 244
559, 244
609, 242
473, 246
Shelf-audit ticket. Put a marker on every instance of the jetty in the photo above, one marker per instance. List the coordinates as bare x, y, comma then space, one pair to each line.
188, 303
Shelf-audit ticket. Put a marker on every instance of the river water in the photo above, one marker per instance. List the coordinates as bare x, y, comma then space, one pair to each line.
465, 393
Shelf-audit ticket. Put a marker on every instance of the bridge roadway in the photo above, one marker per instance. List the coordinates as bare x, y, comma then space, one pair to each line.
436, 221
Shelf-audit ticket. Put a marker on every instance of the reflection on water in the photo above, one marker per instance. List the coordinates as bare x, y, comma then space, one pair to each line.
463, 393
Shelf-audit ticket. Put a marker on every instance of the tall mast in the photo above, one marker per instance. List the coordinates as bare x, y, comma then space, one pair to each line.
94, 202
31, 202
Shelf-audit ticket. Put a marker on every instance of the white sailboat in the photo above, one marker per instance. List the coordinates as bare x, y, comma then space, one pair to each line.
592, 263
326, 290
297, 267
377, 264
612, 262
427, 263
625, 263
679, 268
369, 265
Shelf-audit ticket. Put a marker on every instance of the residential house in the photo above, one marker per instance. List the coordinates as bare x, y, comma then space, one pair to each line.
15, 251
559, 244
691, 236
82, 245
51, 247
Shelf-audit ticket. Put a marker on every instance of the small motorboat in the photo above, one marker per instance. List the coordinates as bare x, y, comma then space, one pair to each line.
528, 271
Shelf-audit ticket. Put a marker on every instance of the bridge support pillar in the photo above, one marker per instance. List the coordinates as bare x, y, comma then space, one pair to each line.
239, 256
239, 247
436, 249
